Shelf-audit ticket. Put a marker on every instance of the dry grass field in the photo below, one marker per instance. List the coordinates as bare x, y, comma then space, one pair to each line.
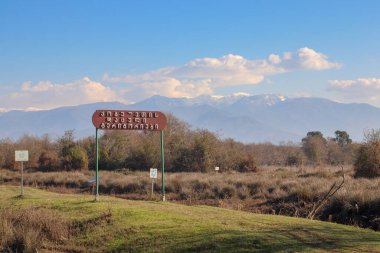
43, 221
272, 190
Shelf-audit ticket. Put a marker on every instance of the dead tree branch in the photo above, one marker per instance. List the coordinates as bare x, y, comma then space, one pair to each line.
323, 201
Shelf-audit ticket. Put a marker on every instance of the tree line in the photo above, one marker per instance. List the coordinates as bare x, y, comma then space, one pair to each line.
188, 150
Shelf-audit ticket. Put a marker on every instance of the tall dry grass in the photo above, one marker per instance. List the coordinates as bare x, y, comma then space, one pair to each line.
277, 190
30, 229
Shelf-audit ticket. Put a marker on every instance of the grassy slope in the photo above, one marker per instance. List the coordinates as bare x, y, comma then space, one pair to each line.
141, 226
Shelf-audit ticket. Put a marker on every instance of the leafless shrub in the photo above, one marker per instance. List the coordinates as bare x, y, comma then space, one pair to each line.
367, 163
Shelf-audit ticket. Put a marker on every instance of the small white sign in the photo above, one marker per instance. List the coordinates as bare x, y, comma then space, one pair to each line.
153, 173
21, 155
216, 168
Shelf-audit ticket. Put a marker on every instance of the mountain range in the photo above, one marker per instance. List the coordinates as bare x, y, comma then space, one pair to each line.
258, 118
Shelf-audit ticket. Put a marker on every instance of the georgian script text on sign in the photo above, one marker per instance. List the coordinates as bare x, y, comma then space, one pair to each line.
129, 120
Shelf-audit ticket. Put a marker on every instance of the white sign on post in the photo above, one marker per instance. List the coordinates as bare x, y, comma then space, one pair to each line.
21, 155
153, 173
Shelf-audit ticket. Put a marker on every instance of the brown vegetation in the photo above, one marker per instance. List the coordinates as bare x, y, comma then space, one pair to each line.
272, 190
186, 150
290, 178
367, 163
30, 229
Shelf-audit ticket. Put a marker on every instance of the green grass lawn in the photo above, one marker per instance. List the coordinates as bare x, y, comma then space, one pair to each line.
143, 226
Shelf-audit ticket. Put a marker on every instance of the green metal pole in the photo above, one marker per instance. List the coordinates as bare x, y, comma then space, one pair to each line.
163, 165
22, 178
97, 165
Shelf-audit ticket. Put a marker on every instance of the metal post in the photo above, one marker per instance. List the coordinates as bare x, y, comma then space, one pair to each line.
97, 165
151, 195
22, 178
163, 165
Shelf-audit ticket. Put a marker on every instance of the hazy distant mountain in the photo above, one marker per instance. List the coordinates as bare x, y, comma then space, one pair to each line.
257, 118
271, 118
53, 122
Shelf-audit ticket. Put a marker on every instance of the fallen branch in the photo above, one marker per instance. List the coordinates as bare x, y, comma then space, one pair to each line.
323, 201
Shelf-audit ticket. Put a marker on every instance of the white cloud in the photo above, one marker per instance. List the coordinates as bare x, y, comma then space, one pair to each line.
366, 83
274, 58
170, 87
287, 56
196, 77
46, 95
360, 89
341, 84
204, 75
370, 82
310, 59
229, 70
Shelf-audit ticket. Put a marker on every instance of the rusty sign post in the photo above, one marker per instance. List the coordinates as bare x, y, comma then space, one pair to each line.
129, 120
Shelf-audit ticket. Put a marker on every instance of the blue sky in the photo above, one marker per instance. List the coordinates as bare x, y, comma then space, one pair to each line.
55, 53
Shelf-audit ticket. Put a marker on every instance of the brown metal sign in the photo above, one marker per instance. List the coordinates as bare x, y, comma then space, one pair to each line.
129, 120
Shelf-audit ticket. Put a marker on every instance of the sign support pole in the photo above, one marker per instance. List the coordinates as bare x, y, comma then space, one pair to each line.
163, 165
22, 156
116, 120
97, 165
151, 195
22, 178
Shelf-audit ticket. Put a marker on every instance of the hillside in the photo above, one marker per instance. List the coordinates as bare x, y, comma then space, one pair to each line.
259, 118
143, 226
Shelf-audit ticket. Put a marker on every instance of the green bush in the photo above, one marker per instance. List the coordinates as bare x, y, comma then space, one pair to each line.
75, 159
